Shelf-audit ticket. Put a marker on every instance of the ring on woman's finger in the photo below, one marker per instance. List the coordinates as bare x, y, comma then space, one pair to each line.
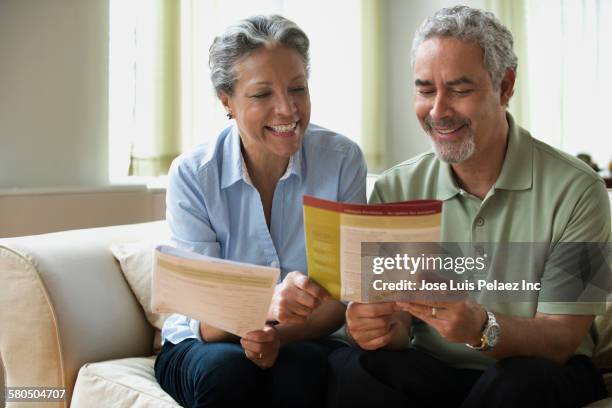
260, 355
433, 312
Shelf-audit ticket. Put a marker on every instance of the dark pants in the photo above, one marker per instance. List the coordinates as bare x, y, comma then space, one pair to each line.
413, 378
198, 374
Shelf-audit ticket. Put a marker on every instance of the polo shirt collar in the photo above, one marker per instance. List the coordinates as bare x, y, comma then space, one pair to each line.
233, 167
447, 186
517, 170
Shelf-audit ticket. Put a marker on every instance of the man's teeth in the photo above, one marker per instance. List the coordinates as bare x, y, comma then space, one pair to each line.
283, 128
447, 131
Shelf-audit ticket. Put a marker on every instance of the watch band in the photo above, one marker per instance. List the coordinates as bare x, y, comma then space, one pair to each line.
484, 341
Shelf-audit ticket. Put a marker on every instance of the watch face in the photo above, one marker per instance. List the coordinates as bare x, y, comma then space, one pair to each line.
492, 335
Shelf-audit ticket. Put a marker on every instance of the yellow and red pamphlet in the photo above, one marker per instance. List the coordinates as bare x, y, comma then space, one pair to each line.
334, 233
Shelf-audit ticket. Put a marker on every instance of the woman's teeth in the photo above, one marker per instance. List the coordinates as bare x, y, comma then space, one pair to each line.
283, 128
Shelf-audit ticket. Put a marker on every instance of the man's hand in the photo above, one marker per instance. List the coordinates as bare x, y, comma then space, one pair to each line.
374, 325
262, 346
457, 322
295, 298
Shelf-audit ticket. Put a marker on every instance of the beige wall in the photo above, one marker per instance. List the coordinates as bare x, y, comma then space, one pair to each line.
40, 212
53, 93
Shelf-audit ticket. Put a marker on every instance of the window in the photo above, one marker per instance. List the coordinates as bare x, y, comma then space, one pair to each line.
568, 66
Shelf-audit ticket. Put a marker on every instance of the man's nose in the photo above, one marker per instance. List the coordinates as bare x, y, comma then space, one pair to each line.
441, 108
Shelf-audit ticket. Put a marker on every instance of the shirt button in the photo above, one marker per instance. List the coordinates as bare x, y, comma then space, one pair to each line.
479, 250
480, 221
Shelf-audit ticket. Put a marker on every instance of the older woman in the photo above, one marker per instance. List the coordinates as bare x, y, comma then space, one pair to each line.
241, 199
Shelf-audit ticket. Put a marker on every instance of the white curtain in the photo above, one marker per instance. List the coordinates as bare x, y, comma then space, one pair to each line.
566, 48
570, 63
144, 87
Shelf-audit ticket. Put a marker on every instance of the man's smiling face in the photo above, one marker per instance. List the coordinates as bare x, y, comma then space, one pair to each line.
455, 101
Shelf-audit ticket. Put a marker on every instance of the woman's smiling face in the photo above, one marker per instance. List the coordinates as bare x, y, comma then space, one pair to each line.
270, 101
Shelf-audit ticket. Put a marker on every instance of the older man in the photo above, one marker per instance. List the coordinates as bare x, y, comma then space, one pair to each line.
498, 185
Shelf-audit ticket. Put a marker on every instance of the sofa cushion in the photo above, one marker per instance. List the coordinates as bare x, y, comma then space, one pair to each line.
136, 260
128, 382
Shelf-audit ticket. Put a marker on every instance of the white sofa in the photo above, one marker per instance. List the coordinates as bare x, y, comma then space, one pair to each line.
69, 319
65, 305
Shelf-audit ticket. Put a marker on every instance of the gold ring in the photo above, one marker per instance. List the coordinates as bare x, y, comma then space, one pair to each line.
433, 312
260, 356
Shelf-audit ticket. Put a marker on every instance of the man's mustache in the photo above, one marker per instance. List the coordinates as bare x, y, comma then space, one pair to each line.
447, 123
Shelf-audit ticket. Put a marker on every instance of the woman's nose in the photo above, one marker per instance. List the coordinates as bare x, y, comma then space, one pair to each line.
285, 105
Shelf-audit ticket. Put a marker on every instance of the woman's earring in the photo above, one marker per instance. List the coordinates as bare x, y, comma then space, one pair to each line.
229, 115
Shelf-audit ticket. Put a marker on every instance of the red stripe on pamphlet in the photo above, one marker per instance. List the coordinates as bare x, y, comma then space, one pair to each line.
413, 207
323, 204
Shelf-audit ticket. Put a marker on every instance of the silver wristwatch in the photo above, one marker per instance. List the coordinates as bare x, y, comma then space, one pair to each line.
490, 334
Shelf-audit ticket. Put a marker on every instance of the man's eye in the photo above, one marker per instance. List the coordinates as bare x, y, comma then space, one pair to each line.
261, 95
463, 91
426, 92
298, 89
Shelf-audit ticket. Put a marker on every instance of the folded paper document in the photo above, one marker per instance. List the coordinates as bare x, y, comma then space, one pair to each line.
230, 296
334, 233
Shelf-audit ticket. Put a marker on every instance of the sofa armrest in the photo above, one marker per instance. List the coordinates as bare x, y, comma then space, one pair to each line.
64, 302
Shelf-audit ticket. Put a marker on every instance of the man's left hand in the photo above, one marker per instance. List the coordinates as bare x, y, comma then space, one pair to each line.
457, 322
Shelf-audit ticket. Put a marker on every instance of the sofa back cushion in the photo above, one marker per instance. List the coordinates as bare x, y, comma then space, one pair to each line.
136, 260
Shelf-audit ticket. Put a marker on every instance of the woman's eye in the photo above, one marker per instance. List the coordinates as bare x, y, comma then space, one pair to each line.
299, 89
261, 95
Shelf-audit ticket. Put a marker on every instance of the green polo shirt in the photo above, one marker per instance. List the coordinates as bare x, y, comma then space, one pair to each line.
542, 195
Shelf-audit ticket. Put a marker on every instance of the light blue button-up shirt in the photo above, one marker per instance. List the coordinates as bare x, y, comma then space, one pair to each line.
214, 209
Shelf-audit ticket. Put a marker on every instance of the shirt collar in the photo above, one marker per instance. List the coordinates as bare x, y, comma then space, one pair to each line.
447, 186
516, 172
233, 167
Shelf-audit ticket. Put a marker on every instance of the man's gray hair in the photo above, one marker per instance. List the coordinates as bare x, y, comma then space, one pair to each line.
246, 36
469, 24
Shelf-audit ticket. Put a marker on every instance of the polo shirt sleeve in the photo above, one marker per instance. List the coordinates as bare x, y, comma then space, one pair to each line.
391, 187
577, 271
376, 196
186, 211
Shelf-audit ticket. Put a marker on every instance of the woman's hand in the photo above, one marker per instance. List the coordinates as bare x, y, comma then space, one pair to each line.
262, 346
377, 325
295, 298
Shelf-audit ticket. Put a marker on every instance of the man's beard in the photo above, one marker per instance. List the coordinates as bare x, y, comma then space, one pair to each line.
455, 151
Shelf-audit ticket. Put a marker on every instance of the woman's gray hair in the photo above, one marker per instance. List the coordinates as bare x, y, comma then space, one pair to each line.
469, 24
246, 36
